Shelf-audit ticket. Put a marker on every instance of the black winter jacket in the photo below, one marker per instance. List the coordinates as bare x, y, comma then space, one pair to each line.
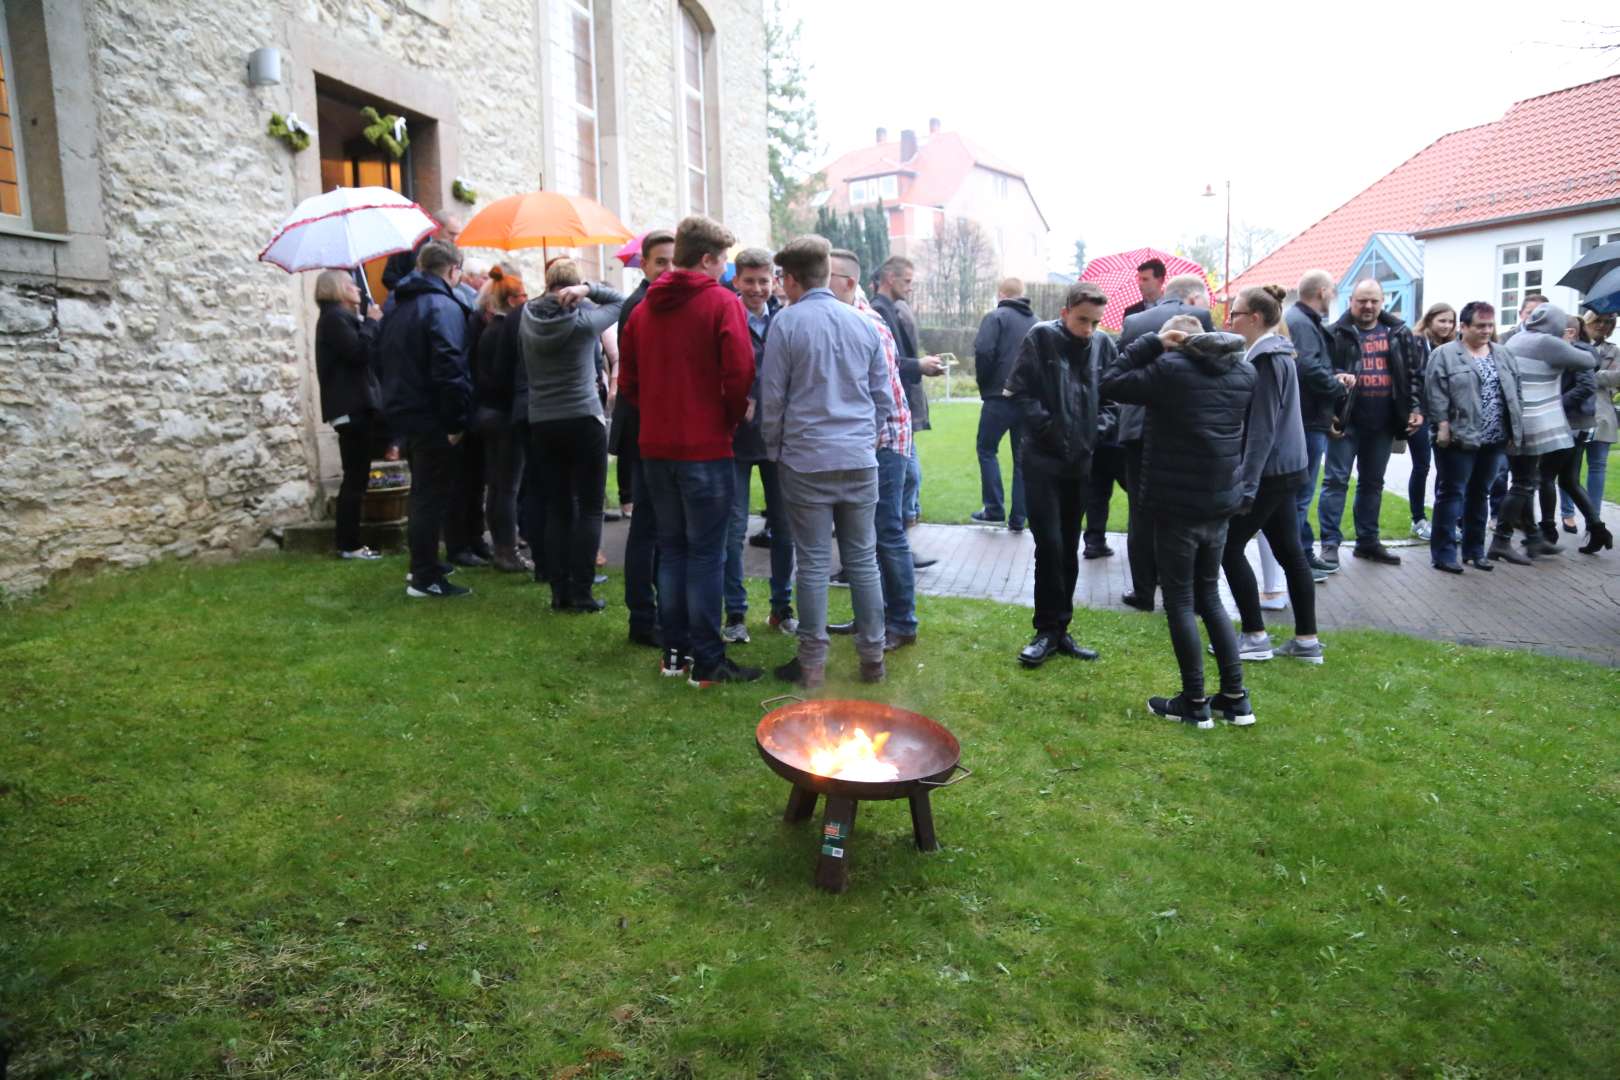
907, 352
624, 430
1054, 383
1197, 399
495, 363
1406, 391
1319, 392
343, 344
995, 347
427, 389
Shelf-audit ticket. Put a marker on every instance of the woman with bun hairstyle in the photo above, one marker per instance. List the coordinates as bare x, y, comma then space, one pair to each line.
1471, 396
560, 334
1274, 467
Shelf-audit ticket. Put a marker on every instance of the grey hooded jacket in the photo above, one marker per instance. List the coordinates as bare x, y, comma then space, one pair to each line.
1274, 450
1451, 393
1543, 357
559, 353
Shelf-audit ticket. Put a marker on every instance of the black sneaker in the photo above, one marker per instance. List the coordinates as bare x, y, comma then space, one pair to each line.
761, 539
1100, 551
986, 519
1322, 566
438, 590
723, 671
1377, 553
445, 570
1235, 711
1192, 713
674, 665
469, 557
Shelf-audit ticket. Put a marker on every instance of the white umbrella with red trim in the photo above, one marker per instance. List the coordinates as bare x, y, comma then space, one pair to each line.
345, 228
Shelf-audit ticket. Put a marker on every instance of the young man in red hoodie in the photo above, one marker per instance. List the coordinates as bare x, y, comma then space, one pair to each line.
686, 361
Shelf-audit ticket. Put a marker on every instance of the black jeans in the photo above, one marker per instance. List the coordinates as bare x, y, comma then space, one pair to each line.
1517, 511
354, 450
1189, 557
434, 466
571, 456
1562, 469
1420, 445
1107, 469
641, 554
1054, 502
504, 457
1275, 513
1139, 544
464, 520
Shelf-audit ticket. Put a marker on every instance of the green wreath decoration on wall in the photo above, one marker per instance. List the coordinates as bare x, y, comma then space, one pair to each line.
290, 130
463, 191
387, 132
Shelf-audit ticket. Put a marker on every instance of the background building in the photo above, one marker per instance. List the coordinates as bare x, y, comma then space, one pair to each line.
924, 183
157, 390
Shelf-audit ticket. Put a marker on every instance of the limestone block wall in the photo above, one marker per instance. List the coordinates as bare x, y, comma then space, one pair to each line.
166, 405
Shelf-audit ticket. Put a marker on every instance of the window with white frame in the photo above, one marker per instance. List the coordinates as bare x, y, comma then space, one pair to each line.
13, 182
889, 187
1585, 242
575, 159
695, 107
1518, 271
857, 193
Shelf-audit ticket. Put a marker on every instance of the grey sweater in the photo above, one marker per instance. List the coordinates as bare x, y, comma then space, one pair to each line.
1543, 356
559, 353
1274, 447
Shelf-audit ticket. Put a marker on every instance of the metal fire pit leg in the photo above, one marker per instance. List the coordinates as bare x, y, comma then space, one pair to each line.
922, 821
801, 804
832, 868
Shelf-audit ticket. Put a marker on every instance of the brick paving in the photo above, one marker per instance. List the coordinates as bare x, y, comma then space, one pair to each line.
1568, 605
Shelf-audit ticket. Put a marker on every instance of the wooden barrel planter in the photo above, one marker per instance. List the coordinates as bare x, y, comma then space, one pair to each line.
388, 485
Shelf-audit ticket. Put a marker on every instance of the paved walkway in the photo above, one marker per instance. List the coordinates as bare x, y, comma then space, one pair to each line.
1565, 606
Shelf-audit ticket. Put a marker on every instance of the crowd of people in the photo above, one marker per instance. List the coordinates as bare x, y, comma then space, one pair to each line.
782, 362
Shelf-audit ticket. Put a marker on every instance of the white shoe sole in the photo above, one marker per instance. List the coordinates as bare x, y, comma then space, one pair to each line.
1302, 659
1201, 725
1256, 655
1242, 720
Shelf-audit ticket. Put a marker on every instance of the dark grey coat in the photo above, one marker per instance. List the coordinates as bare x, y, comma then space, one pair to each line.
1146, 322
1319, 392
1274, 449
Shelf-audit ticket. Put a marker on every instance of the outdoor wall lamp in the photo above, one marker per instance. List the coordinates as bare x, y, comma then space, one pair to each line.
264, 67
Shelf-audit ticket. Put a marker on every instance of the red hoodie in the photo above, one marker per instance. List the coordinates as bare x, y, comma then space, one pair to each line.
686, 361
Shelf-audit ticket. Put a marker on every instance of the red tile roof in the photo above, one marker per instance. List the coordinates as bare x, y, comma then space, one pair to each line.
1393, 204
1549, 153
930, 178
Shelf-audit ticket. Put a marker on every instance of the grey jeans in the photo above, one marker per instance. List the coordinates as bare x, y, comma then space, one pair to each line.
817, 503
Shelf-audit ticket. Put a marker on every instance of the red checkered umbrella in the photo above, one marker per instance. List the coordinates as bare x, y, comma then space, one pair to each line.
1116, 274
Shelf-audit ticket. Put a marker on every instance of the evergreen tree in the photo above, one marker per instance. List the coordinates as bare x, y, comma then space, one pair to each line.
1079, 256
877, 236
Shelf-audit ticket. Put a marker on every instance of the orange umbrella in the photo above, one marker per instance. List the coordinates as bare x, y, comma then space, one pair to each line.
543, 219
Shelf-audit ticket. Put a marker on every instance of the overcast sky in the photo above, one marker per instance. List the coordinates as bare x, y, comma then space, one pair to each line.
1119, 114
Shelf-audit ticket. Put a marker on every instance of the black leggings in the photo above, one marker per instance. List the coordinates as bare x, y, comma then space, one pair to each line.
1562, 469
1275, 513
354, 449
571, 459
1189, 566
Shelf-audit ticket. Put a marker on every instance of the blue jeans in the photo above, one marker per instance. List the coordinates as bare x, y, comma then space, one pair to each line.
1597, 471
1462, 490
998, 416
693, 503
781, 541
1420, 445
1315, 446
911, 501
895, 568
1369, 452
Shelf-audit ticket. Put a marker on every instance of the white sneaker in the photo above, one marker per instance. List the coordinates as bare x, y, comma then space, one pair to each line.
1298, 650
1422, 529
360, 553
787, 624
1255, 646
734, 633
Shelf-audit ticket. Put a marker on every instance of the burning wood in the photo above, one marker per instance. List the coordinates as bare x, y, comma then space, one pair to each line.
856, 758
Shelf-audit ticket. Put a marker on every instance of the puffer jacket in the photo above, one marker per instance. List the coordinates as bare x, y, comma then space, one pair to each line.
1054, 383
1274, 453
1451, 393
426, 387
1197, 399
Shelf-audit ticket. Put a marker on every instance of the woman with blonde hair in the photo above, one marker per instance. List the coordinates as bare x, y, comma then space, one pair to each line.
560, 334
350, 395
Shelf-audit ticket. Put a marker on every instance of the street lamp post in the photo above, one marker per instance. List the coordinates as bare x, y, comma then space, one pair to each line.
1226, 248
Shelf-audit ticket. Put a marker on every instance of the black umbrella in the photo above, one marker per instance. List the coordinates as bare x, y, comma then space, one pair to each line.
1591, 266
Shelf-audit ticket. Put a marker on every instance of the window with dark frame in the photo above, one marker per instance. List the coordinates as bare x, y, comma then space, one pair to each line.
13, 190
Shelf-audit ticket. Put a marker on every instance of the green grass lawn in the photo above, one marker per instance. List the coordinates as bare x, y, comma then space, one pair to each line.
950, 464
273, 819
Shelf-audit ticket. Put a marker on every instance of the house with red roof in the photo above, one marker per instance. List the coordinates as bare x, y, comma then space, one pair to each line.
923, 182
1489, 212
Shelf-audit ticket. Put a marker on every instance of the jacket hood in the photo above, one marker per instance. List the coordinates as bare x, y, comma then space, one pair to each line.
1019, 303
1274, 344
677, 287
546, 322
1217, 352
1547, 319
417, 282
